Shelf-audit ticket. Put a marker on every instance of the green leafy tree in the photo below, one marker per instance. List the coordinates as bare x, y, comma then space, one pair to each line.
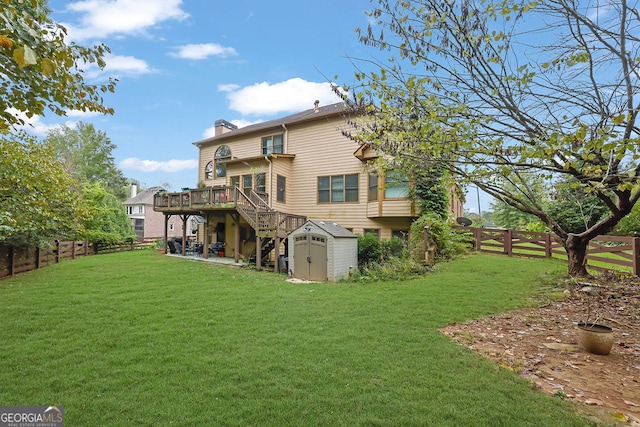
87, 155
575, 209
501, 90
40, 70
106, 219
506, 216
38, 199
630, 224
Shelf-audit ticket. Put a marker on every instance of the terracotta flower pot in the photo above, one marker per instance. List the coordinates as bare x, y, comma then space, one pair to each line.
595, 338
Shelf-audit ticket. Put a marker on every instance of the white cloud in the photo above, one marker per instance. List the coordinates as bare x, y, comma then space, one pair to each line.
117, 66
174, 165
35, 126
228, 87
203, 51
82, 114
288, 96
104, 18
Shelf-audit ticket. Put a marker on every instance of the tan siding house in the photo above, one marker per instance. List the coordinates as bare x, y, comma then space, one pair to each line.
289, 170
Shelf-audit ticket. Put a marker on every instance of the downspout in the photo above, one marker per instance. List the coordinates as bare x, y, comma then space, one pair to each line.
286, 139
270, 180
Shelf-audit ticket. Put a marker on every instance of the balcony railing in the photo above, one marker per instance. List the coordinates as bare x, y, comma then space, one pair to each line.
253, 207
195, 199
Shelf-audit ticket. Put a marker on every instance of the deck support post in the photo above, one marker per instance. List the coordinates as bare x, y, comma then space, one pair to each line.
258, 252
236, 249
276, 254
184, 219
205, 238
166, 232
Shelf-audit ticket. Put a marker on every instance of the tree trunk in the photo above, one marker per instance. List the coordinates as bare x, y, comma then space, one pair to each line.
576, 248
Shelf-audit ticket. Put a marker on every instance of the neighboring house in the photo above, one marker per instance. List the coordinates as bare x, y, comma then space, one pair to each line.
147, 223
262, 181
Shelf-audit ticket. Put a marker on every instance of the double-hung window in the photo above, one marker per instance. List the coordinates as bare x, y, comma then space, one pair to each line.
338, 188
208, 171
372, 193
223, 154
273, 145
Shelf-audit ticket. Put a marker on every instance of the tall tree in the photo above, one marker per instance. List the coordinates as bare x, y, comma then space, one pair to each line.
38, 199
107, 220
501, 90
40, 70
88, 155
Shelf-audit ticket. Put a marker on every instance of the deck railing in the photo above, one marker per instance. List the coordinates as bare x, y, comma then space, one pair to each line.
254, 207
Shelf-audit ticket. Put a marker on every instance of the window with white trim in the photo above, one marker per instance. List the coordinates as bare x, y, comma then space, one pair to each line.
223, 153
273, 144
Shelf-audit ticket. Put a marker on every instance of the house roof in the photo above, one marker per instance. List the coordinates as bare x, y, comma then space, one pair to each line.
144, 197
333, 228
304, 116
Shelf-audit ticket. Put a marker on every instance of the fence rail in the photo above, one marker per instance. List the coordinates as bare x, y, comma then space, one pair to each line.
15, 260
603, 253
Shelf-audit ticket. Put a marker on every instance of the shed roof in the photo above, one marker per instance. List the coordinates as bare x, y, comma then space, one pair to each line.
333, 228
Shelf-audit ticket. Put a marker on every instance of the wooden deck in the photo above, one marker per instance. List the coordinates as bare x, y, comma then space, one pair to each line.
254, 208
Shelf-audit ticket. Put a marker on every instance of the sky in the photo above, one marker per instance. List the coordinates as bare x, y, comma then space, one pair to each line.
183, 64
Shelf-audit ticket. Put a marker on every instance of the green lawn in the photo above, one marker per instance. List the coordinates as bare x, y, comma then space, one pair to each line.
140, 339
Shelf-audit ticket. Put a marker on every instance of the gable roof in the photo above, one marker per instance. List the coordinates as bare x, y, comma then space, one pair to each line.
332, 228
303, 116
145, 197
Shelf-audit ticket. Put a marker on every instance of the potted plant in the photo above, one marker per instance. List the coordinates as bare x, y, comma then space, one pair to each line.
594, 337
160, 247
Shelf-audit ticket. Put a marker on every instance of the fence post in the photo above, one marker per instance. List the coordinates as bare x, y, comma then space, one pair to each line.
636, 255
37, 257
547, 245
428, 248
507, 243
477, 235
57, 251
86, 248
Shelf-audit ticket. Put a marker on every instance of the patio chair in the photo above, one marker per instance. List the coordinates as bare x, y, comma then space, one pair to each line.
216, 248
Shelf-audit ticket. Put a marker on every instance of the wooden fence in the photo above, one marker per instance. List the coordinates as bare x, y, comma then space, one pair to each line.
603, 253
18, 260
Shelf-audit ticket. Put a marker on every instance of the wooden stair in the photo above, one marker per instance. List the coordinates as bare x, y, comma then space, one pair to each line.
267, 222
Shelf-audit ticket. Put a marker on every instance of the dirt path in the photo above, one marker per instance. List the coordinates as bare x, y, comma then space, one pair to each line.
542, 345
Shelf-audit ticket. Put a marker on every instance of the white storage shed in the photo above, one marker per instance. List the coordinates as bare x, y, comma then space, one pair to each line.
322, 251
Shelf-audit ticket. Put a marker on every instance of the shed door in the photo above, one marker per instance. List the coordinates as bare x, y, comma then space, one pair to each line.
310, 257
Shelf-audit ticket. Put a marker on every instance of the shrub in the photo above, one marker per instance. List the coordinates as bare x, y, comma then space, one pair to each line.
393, 248
447, 243
369, 249
391, 269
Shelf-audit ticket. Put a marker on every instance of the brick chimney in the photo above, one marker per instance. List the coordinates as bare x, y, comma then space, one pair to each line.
223, 126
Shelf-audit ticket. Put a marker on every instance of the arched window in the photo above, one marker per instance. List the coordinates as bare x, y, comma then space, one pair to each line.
208, 171
223, 153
